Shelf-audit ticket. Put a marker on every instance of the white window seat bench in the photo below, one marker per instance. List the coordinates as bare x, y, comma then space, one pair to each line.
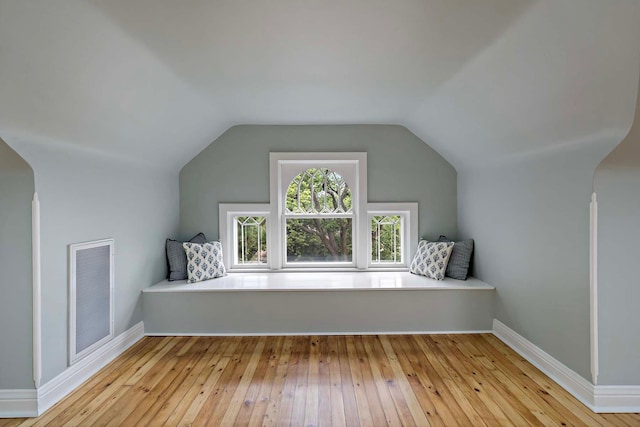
290, 303
319, 281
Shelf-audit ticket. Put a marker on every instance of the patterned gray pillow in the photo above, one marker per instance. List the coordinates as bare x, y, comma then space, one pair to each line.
460, 260
204, 261
177, 259
431, 259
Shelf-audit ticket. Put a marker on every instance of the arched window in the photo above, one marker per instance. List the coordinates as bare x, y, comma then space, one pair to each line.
318, 218
318, 191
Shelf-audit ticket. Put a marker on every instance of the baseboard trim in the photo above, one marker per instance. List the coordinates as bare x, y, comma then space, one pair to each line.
22, 403
19, 403
59, 387
303, 334
600, 399
568, 379
617, 399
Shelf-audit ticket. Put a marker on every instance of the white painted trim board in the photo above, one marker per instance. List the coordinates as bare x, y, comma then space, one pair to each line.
37, 294
593, 285
33, 403
619, 399
19, 403
306, 334
600, 399
59, 387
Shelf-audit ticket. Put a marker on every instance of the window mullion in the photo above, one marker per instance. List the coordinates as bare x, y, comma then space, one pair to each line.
315, 216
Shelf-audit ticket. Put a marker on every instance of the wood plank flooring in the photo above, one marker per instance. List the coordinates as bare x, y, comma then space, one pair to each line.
421, 380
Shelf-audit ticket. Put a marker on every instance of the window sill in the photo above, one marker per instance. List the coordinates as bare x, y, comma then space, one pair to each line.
352, 280
317, 270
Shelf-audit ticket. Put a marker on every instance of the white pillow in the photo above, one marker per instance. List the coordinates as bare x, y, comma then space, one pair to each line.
431, 259
204, 261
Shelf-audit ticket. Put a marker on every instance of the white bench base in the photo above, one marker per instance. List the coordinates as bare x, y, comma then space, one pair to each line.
296, 303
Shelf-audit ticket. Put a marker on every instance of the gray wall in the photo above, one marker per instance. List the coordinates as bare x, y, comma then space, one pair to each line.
530, 220
617, 184
312, 312
85, 196
235, 169
16, 192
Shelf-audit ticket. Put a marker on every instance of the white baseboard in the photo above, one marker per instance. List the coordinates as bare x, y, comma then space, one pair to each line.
617, 398
56, 389
600, 399
579, 387
304, 334
21, 403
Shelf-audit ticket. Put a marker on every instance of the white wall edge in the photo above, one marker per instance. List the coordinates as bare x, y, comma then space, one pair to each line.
59, 387
19, 403
37, 286
568, 379
593, 285
307, 334
600, 399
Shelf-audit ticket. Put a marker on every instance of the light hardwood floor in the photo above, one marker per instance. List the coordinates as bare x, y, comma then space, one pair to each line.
439, 380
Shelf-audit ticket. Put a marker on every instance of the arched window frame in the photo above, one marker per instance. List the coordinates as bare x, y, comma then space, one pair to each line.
299, 213
284, 167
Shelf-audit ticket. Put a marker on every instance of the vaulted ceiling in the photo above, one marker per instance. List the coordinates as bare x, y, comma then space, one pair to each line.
158, 80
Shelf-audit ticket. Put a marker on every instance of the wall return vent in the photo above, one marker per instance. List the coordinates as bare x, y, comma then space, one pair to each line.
91, 283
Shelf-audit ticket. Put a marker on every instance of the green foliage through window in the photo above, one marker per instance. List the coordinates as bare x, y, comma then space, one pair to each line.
319, 240
386, 239
319, 223
318, 191
251, 239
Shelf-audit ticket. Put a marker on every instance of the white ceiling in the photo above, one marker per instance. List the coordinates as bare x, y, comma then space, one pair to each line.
158, 80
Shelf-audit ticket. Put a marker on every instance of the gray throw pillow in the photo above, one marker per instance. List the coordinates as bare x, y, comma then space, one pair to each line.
177, 258
431, 259
460, 260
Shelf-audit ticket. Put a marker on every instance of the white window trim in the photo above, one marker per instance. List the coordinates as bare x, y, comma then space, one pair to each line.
363, 211
277, 161
226, 212
409, 214
347, 170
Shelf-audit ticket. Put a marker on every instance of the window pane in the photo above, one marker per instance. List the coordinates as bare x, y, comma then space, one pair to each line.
251, 239
318, 191
386, 239
319, 240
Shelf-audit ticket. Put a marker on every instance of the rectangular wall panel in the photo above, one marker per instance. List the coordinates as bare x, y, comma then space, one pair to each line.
91, 297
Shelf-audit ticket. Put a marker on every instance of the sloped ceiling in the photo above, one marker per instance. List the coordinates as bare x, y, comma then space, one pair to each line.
155, 81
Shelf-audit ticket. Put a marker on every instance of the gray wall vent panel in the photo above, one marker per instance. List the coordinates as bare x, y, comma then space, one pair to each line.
90, 297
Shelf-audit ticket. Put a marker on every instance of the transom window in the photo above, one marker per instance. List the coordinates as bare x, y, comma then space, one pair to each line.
318, 217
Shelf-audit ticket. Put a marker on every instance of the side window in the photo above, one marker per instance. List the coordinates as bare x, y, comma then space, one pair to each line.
387, 239
244, 233
393, 231
250, 240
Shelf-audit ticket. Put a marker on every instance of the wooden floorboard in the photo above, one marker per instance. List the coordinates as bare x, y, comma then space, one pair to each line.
421, 380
